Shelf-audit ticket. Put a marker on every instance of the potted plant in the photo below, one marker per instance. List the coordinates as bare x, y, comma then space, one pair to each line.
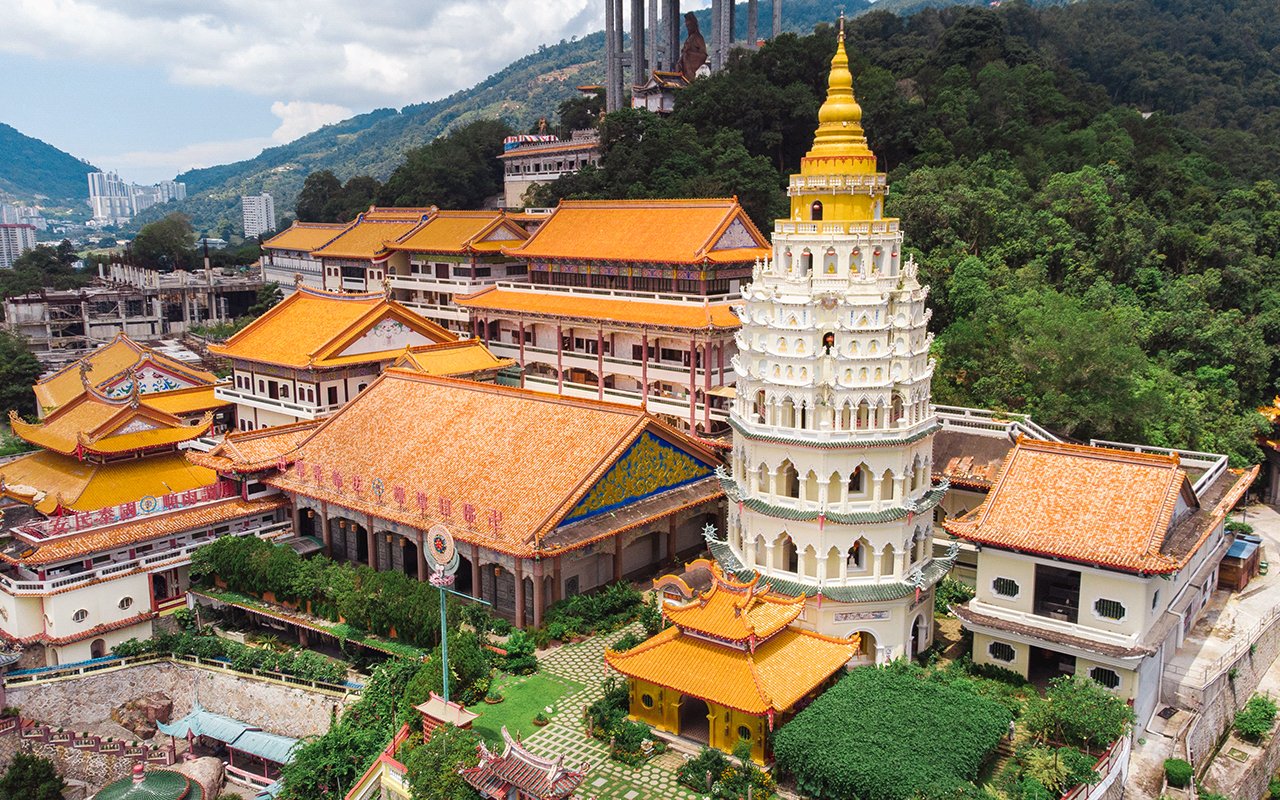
540, 719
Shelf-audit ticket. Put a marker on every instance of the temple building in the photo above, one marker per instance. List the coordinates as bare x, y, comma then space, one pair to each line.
287, 255
545, 497
517, 774
830, 487
314, 351
453, 253
1096, 561
732, 666
628, 301
532, 160
111, 370
356, 259
658, 93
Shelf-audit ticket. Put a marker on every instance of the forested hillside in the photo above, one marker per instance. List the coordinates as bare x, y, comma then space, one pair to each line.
1112, 271
31, 169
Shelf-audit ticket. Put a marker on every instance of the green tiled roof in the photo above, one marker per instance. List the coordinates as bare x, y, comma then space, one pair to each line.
857, 593
930, 499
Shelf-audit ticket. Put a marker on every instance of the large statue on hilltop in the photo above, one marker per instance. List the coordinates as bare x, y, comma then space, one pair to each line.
694, 53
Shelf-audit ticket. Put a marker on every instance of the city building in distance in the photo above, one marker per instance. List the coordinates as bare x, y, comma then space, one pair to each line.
15, 239
115, 202
259, 214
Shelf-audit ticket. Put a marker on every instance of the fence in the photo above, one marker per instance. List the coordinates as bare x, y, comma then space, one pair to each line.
32, 732
1112, 767
1198, 676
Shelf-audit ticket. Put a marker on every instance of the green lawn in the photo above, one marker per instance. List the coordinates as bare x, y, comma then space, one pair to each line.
525, 696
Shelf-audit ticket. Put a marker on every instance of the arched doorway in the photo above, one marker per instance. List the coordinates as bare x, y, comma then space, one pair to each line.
159, 587
866, 647
693, 719
919, 635
97, 648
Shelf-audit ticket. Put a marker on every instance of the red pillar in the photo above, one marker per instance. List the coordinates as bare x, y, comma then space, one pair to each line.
519, 592
600, 364
539, 600
475, 571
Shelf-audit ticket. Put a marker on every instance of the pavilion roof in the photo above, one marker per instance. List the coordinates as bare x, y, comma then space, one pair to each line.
311, 328
48, 480
735, 611
92, 423
184, 401
109, 365
568, 305
450, 359
305, 236
769, 679
501, 467
700, 232
372, 233
233, 733
1095, 505
534, 776
462, 232
242, 452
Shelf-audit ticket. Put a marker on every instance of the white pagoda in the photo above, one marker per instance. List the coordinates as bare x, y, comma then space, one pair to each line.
830, 487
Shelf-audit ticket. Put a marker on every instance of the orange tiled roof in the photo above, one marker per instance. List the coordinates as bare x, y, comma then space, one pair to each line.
311, 328
452, 359
372, 233
94, 424
305, 236
528, 456
184, 401
1093, 505
771, 679
688, 316
106, 364
541, 149
253, 451
49, 480
144, 529
462, 232
647, 231
734, 611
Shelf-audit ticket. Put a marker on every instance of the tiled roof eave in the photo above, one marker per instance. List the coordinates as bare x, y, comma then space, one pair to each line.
829, 444
652, 326
972, 618
1145, 564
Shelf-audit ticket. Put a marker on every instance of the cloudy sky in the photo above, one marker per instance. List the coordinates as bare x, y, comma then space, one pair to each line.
152, 87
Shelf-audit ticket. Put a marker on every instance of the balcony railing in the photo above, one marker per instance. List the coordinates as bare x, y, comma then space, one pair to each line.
664, 404
570, 358
20, 587
304, 411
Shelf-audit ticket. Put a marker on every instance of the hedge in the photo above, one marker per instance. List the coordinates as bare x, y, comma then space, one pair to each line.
1177, 772
303, 664
889, 733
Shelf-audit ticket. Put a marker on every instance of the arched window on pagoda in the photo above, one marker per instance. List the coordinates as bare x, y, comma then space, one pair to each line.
855, 481
789, 557
815, 211
895, 412
788, 480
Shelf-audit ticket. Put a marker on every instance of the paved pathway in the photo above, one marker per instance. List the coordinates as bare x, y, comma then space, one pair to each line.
607, 779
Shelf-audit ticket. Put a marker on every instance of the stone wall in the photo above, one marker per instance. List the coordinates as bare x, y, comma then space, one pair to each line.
88, 699
1247, 781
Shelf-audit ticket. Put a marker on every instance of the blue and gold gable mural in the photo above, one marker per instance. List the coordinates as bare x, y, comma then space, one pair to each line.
650, 465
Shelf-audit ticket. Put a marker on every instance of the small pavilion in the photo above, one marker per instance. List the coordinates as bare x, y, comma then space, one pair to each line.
732, 666
253, 755
517, 774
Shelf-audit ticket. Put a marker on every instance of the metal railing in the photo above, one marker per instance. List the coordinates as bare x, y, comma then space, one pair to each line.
994, 421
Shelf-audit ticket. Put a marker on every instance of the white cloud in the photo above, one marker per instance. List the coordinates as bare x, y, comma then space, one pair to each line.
149, 166
299, 117
328, 52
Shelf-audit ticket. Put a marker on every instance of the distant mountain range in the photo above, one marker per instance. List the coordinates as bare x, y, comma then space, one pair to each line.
531, 87
33, 170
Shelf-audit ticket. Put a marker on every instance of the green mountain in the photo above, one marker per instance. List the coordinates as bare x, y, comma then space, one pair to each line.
31, 169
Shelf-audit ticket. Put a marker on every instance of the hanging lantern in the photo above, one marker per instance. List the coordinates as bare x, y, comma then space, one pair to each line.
342, 523
311, 513
497, 572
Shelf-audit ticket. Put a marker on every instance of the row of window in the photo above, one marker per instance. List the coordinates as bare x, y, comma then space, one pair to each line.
1107, 609
1002, 651
82, 614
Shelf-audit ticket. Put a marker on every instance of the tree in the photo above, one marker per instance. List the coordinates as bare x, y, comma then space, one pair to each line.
268, 295
433, 766
19, 370
167, 244
1078, 711
460, 170
317, 190
31, 777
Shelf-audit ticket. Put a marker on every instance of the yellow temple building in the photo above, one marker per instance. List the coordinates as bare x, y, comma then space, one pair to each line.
732, 666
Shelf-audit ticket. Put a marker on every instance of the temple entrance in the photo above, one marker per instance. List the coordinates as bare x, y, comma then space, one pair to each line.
462, 578
159, 587
362, 544
693, 719
97, 648
1045, 665
866, 647
409, 557
919, 635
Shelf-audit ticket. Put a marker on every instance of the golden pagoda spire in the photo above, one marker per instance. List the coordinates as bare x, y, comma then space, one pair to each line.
840, 118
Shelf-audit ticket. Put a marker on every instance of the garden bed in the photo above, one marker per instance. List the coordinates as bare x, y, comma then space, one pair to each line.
523, 697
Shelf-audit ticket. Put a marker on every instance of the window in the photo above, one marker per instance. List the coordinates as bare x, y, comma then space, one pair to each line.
744, 733
1005, 587
646, 700
1107, 677
80, 615
1001, 651
125, 602
333, 395
1109, 609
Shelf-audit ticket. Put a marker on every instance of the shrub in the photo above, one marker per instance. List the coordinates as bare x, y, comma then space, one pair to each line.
693, 773
1177, 772
520, 659
1058, 770
651, 615
1255, 719
1239, 527
599, 612
627, 641
1078, 711
432, 768
951, 592
606, 713
1032, 789
1273, 788
31, 777
879, 732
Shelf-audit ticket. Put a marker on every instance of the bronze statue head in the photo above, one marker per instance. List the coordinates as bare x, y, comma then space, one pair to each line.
691, 23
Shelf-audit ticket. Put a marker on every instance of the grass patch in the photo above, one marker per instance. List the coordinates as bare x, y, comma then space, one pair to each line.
524, 696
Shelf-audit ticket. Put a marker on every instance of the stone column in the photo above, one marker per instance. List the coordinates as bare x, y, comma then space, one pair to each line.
651, 37
644, 370
600, 364
693, 385
422, 556
639, 64
326, 532
371, 542
875, 566
753, 15
557, 583
706, 384
522, 353
519, 592
671, 539
475, 571
672, 25
560, 353
617, 558
777, 17
539, 601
